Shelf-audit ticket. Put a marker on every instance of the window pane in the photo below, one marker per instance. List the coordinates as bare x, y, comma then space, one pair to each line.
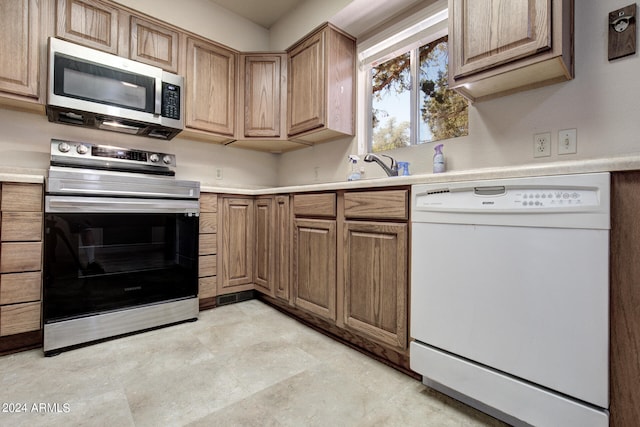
443, 112
391, 85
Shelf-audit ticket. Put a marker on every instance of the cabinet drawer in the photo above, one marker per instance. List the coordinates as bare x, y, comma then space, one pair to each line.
388, 204
208, 222
207, 287
20, 287
21, 226
315, 204
208, 202
207, 265
18, 257
19, 197
19, 318
208, 244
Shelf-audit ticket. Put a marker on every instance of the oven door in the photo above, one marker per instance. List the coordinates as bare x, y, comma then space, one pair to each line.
105, 254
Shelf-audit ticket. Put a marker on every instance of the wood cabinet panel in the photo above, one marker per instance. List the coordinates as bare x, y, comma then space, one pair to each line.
20, 29
208, 222
264, 85
375, 277
306, 106
19, 318
625, 300
487, 41
208, 202
19, 197
19, 257
208, 244
314, 267
207, 287
153, 44
263, 260
321, 204
207, 265
237, 245
20, 287
283, 247
88, 22
211, 87
21, 226
385, 204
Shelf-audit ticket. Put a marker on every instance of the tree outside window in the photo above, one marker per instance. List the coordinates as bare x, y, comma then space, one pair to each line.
440, 113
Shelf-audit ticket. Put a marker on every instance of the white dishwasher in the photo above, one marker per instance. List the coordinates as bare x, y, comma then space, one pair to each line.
510, 296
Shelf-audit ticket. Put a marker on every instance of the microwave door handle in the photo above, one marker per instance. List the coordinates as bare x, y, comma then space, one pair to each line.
158, 97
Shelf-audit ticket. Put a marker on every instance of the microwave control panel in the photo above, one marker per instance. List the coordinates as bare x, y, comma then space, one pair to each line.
170, 101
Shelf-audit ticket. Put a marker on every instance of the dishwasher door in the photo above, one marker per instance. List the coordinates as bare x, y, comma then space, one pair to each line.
513, 288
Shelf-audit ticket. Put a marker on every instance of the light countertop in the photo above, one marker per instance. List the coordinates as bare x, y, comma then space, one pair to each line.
610, 164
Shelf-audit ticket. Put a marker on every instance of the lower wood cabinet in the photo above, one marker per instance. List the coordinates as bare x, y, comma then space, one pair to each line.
208, 250
314, 266
282, 270
263, 261
375, 281
237, 224
20, 265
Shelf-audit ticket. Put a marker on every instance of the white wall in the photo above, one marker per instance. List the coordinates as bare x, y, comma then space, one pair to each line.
301, 20
25, 138
602, 103
207, 19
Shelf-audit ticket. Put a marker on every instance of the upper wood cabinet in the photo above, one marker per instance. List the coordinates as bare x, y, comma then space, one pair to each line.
264, 85
19, 28
153, 44
90, 23
497, 47
321, 86
211, 88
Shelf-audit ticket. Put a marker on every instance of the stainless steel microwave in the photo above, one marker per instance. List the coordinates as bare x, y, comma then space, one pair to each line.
95, 89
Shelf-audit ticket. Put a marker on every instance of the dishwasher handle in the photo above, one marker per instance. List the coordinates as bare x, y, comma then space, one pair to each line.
494, 190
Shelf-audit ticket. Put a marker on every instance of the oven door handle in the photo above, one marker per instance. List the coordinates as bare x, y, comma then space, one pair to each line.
74, 204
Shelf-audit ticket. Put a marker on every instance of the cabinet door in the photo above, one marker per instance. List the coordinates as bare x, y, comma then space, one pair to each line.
375, 278
264, 95
487, 33
88, 22
154, 44
306, 106
263, 244
237, 245
314, 268
211, 87
283, 247
19, 26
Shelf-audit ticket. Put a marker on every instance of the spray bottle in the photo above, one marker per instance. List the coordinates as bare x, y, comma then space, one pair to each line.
438, 159
354, 173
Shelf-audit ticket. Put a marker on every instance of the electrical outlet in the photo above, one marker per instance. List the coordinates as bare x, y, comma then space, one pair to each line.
542, 144
567, 141
218, 173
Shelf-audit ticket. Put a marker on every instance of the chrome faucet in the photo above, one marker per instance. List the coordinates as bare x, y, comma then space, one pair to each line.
391, 171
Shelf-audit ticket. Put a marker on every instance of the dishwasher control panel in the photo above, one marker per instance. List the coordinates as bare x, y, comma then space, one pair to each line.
543, 201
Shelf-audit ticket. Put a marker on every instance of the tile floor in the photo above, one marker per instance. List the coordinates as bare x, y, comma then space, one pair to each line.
239, 365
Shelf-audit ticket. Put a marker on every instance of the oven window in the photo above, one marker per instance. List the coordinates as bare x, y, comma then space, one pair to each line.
100, 262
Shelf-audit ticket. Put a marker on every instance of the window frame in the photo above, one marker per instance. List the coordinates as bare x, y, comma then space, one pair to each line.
421, 28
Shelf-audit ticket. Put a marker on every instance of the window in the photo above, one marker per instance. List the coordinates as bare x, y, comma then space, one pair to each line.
401, 113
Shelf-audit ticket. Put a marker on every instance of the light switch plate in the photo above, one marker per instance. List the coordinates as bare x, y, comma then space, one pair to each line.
568, 141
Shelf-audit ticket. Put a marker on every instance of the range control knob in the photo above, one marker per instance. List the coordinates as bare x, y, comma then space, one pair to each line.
64, 147
166, 160
154, 158
82, 149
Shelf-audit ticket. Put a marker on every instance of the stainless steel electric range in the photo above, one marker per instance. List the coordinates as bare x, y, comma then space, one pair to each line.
121, 244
